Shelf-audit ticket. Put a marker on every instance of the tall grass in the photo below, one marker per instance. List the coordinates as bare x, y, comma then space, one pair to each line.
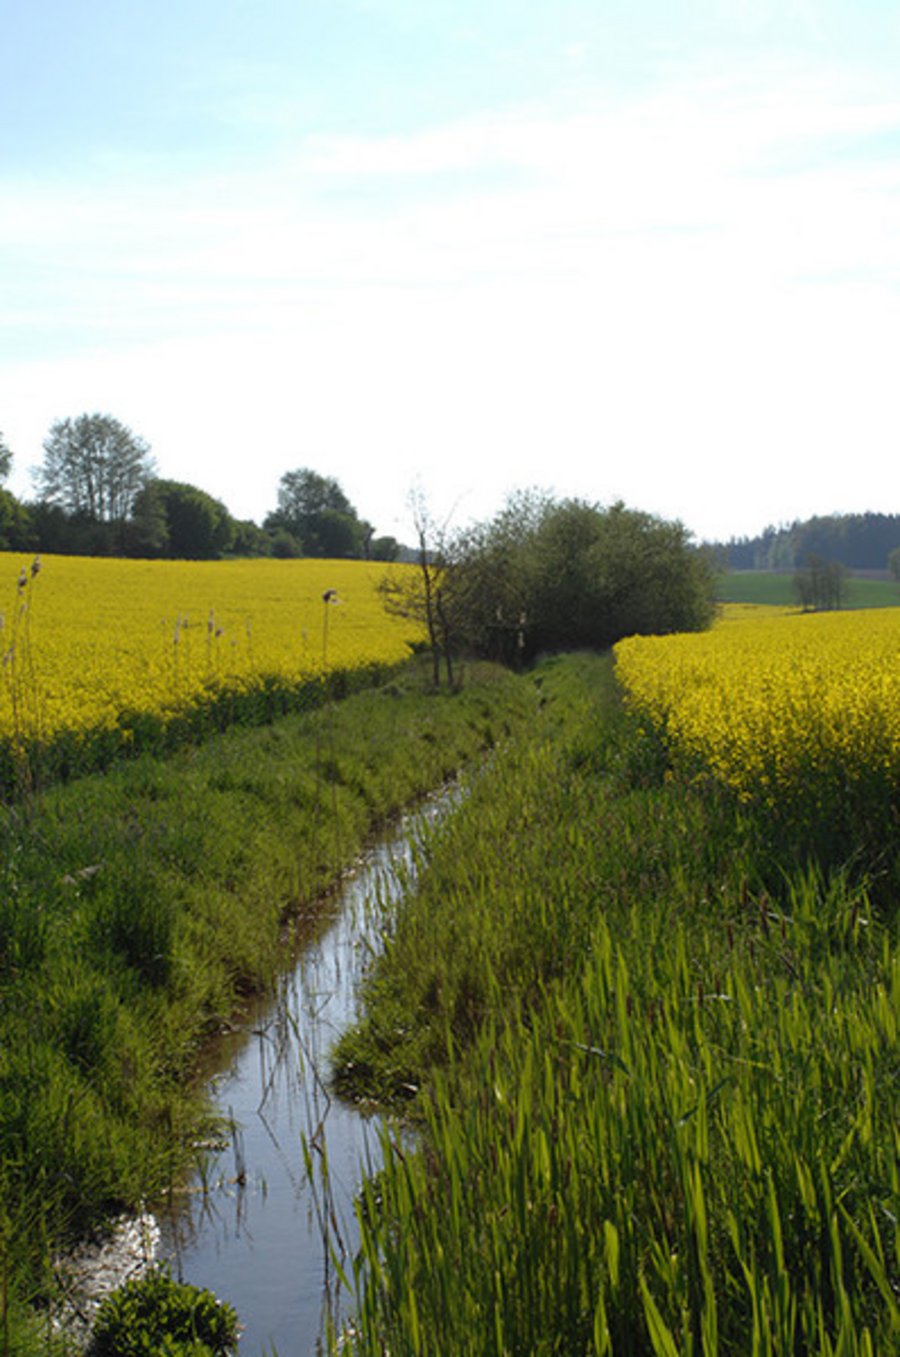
658, 1089
137, 909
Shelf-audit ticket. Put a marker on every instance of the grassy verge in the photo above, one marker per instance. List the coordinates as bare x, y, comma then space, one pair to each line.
657, 1068
136, 908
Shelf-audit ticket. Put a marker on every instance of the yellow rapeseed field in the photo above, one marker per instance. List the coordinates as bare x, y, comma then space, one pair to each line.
770, 699
84, 639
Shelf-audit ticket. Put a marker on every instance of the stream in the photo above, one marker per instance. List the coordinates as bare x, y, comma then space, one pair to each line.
252, 1225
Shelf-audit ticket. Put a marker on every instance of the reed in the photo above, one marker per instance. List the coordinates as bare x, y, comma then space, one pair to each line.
658, 1081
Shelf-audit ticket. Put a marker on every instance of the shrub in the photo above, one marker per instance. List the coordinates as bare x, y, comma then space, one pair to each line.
157, 1315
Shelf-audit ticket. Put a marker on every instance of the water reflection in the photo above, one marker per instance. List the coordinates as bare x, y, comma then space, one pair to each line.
256, 1224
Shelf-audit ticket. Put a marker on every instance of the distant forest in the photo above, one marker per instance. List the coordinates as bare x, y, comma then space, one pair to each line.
858, 541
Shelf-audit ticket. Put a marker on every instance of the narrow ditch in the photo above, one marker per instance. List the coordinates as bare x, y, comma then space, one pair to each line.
255, 1223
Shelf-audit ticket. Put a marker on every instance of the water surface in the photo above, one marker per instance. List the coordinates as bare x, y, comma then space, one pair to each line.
254, 1224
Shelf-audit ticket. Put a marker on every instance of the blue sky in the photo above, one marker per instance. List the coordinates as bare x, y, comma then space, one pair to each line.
618, 249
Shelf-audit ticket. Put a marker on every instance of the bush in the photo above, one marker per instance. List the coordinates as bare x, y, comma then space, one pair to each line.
156, 1315
547, 576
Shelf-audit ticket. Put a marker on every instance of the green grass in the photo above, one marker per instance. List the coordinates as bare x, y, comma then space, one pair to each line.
657, 1073
138, 907
776, 588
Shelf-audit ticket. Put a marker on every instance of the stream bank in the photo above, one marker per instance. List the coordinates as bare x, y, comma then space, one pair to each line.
141, 907
266, 1215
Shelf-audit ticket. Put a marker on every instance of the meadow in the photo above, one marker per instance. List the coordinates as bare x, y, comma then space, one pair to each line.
776, 588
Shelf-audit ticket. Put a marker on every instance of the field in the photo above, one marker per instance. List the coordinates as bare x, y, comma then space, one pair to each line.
103, 654
642, 1006
777, 704
775, 587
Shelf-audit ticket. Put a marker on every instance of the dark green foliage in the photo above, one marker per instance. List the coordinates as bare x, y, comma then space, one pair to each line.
285, 546
820, 585
314, 511
159, 1317
146, 534
384, 549
249, 539
73, 533
546, 576
16, 529
858, 541
180, 521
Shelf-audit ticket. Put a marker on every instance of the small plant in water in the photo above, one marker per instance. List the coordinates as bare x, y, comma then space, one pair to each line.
157, 1315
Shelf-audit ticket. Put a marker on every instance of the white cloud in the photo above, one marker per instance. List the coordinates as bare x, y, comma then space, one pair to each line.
634, 301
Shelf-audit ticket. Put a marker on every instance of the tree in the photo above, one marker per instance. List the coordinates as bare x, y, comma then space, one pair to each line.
250, 539
549, 576
894, 563
16, 529
5, 458
93, 465
147, 531
314, 510
304, 493
197, 526
492, 585
422, 596
285, 546
384, 549
820, 585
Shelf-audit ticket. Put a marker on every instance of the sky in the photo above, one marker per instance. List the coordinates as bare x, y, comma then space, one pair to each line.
639, 250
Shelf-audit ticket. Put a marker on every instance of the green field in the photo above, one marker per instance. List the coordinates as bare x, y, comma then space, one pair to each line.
777, 588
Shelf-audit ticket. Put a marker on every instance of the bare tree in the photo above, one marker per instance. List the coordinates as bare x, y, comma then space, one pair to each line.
423, 596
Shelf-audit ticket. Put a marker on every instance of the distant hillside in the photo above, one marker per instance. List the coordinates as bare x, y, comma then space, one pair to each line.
859, 541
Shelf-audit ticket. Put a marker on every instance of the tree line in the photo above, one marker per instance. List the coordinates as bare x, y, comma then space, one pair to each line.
857, 541
97, 493
541, 576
